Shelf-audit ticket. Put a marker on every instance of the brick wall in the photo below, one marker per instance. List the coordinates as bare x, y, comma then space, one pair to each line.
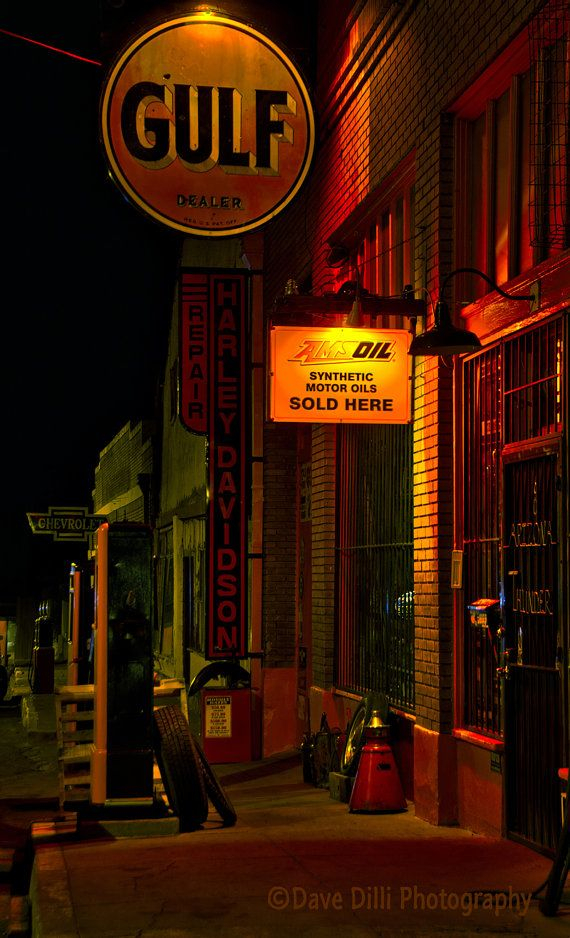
128, 456
387, 75
323, 554
433, 478
384, 78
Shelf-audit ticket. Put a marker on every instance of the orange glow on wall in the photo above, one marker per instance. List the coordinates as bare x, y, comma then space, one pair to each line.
339, 375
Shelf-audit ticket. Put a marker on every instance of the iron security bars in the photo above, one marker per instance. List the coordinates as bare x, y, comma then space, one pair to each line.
512, 395
481, 544
375, 617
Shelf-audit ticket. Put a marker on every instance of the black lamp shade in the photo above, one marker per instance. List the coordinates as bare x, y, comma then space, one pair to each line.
444, 338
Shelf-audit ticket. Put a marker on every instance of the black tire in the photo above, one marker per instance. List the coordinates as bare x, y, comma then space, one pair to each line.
555, 885
355, 733
180, 767
232, 671
214, 790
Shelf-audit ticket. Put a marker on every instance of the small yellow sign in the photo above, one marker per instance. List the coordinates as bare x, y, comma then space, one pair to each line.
218, 717
339, 375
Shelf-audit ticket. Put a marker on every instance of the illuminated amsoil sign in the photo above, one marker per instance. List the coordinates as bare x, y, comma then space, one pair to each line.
207, 125
337, 375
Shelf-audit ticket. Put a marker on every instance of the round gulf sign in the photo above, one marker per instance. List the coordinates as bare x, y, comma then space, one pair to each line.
207, 125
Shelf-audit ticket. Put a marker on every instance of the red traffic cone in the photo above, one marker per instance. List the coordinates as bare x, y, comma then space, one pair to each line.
377, 786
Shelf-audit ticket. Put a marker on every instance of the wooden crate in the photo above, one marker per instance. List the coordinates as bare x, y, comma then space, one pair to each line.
74, 709
74, 720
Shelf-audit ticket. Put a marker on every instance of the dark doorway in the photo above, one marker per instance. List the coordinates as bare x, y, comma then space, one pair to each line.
533, 691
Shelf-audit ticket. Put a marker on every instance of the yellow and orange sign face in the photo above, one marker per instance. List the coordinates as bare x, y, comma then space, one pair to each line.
339, 375
207, 125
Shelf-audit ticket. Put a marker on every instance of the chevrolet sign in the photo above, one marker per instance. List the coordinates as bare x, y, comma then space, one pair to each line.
65, 524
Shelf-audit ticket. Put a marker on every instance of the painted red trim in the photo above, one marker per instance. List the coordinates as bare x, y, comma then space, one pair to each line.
495, 79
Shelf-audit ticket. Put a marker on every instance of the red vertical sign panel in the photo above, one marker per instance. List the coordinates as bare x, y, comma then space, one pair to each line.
228, 465
194, 307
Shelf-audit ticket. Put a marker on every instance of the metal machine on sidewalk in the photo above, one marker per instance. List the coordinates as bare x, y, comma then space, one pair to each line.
377, 786
43, 655
122, 754
133, 720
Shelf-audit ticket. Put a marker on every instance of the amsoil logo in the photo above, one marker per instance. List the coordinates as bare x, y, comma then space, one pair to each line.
313, 352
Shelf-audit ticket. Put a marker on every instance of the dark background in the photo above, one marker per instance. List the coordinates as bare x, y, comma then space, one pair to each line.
87, 281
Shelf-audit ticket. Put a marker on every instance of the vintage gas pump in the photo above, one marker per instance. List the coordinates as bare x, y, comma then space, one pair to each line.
43, 656
80, 625
73, 625
122, 755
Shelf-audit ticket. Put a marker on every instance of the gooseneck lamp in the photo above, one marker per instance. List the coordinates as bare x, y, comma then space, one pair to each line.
444, 338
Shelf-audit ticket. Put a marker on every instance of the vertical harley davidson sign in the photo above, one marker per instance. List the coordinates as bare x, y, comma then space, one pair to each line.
228, 482
215, 400
207, 125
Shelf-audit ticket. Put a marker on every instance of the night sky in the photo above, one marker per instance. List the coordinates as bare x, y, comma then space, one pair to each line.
87, 283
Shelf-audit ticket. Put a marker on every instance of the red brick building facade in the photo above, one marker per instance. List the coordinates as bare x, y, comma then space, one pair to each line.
439, 148
429, 116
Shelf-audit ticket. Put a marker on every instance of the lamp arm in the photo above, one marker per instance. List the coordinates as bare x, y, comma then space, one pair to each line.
474, 270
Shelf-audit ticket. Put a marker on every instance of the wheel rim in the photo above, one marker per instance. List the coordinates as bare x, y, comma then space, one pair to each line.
354, 738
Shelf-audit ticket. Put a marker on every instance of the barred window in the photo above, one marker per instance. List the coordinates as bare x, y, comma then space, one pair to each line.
375, 627
533, 384
511, 396
482, 424
375, 577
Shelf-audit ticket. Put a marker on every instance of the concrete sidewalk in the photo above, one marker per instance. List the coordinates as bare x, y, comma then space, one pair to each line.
296, 864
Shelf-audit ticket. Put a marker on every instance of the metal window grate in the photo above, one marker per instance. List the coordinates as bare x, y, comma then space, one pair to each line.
375, 622
533, 384
482, 443
512, 394
549, 153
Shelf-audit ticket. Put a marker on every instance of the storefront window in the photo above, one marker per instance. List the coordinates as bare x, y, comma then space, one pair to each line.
375, 627
549, 115
194, 599
481, 535
512, 398
165, 593
492, 214
374, 530
383, 259
533, 384
512, 156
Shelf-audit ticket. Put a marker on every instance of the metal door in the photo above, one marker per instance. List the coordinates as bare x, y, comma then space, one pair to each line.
532, 686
